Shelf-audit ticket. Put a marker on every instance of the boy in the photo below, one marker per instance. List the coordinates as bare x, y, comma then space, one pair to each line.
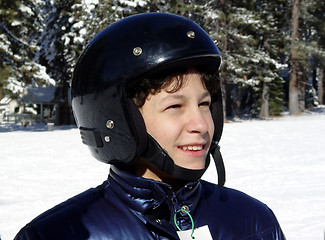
147, 100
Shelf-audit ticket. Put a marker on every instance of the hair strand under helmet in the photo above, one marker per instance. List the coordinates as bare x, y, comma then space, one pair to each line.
109, 122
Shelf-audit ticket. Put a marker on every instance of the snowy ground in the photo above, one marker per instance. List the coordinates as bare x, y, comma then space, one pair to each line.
280, 162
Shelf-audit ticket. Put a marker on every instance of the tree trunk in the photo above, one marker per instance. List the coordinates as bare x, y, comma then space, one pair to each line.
265, 101
222, 26
63, 108
294, 87
321, 86
224, 97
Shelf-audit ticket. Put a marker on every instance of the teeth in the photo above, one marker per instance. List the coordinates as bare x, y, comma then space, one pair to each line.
192, 148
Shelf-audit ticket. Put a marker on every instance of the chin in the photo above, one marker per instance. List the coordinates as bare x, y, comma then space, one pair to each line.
194, 166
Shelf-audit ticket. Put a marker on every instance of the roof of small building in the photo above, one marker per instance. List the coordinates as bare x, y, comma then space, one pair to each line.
5, 100
39, 95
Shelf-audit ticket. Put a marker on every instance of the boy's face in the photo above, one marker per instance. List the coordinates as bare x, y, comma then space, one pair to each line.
181, 121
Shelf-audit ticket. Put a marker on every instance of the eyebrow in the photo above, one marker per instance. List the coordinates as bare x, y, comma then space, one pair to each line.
180, 96
206, 94
172, 96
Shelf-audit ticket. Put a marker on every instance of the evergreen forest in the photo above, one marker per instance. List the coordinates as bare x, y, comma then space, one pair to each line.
273, 51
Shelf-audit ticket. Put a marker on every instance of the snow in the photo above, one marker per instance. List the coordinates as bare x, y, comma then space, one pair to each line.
14, 85
26, 9
91, 2
15, 23
41, 74
212, 14
133, 3
78, 25
4, 44
245, 16
279, 161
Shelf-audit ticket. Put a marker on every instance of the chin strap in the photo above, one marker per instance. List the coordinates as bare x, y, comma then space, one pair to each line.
159, 157
215, 151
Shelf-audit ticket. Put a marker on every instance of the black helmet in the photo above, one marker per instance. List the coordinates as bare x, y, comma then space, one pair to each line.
109, 122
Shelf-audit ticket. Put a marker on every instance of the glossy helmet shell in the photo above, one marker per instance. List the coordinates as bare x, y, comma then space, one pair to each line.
109, 122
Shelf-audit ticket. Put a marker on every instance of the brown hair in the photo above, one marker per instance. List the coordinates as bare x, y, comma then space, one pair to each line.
153, 85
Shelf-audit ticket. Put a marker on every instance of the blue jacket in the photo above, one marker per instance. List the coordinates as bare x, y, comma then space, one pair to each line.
129, 207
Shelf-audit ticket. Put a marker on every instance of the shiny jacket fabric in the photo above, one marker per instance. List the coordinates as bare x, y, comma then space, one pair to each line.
129, 207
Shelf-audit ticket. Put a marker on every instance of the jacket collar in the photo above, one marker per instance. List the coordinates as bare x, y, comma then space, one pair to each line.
141, 194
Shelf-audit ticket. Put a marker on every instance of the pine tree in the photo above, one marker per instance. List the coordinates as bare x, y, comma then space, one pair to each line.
19, 30
249, 44
313, 34
40, 42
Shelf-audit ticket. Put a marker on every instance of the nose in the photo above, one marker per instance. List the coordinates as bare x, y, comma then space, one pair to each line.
198, 121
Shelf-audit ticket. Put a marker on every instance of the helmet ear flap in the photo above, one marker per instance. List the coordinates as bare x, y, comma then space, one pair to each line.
217, 115
139, 128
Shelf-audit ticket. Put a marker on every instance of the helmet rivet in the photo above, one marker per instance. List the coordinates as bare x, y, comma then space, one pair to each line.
110, 124
107, 139
137, 51
191, 34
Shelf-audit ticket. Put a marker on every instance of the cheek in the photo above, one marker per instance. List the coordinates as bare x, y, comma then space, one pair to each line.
163, 131
159, 128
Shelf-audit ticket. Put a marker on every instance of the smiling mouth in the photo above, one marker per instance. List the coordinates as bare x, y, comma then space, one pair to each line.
192, 148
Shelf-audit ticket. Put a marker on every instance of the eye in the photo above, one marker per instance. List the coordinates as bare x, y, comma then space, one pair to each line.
205, 103
174, 106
